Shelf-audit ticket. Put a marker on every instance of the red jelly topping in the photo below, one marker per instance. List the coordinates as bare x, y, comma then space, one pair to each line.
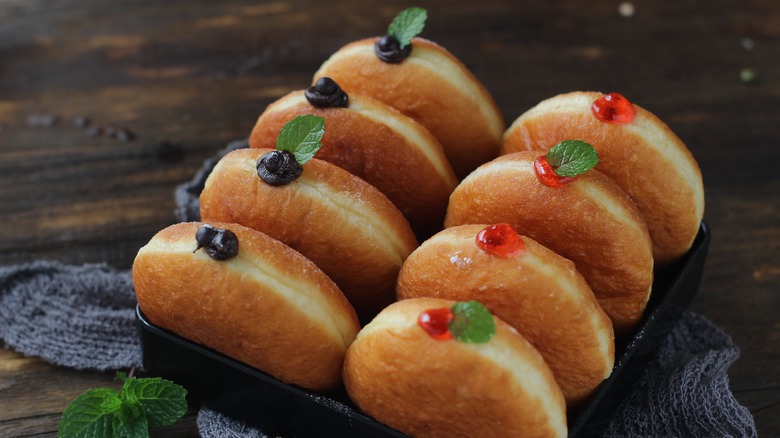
613, 108
436, 322
547, 176
501, 240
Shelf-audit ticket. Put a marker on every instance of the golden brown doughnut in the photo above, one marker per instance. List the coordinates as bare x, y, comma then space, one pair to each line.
538, 292
268, 307
432, 87
378, 144
404, 378
340, 222
590, 221
644, 157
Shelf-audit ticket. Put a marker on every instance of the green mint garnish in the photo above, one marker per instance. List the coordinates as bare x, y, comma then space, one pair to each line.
472, 322
93, 413
301, 137
141, 403
572, 157
407, 25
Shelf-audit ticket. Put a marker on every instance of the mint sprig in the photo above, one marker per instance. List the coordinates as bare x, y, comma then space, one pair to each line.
301, 137
407, 24
472, 322
141, 403
572, 157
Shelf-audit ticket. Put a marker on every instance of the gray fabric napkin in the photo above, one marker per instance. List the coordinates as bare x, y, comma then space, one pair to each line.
80, 317
83, 317
684, 391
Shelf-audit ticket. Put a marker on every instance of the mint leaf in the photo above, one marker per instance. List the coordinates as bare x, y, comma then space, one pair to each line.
572, 157
92, 414
301, 136
472, 322
138, 428
162, 401
130, 412
142, 403
407, 24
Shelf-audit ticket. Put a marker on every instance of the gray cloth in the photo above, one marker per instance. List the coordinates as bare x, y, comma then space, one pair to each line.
80, 317
685, 391
212, 423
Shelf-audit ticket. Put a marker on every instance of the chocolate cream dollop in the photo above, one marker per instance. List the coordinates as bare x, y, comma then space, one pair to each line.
278, 168
389, 49
326, 93
220, 244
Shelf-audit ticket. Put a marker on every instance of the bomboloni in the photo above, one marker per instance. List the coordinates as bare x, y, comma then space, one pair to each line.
432, 87
259, 301
637, 151
590, 221
348, 228
528, 286
398, 373
373, 141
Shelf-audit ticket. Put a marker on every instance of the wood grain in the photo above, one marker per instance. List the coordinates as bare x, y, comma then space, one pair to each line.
196, 75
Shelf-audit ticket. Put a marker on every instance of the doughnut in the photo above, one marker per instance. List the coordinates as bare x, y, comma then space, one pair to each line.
378, 144
643, 156
424, 387
344, 225
266, 305
590, 221
432, 87
529, 287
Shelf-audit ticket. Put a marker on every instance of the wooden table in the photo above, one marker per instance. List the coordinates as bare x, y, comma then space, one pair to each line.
180, 79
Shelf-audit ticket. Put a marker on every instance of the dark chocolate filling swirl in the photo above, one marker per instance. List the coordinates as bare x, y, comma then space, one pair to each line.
326, 93
389, 49
220, 244
278, 168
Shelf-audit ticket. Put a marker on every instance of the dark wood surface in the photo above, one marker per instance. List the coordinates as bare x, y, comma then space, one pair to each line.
186, 77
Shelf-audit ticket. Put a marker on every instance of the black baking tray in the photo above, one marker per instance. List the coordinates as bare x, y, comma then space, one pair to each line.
278, 409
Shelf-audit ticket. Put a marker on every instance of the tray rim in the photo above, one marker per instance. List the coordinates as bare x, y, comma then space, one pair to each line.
698, 249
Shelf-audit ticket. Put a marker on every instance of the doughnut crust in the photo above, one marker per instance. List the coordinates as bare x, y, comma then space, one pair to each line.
345, 226
539, 293
373, 141
644, 157
398, 374
268, 307
432, 87
590, 221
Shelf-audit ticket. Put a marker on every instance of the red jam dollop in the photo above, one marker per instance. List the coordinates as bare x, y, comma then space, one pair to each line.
436, 322
613, 108
501, 240
546, 174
